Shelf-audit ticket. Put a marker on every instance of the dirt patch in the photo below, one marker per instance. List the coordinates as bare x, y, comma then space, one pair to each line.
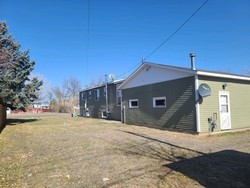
57, 150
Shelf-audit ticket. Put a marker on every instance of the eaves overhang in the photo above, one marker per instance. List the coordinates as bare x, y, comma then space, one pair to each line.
184, 70
223, 75
102, 85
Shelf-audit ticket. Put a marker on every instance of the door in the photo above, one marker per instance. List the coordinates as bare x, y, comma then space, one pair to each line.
225, 117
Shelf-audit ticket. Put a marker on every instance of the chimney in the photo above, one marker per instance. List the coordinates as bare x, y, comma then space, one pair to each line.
192, 56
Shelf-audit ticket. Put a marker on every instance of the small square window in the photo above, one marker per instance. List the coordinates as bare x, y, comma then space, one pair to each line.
159, 102
133, 103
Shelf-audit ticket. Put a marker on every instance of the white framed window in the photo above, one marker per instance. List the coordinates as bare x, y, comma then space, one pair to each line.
133, 103
159, 102
118, 97
90, 94
104, 114
97, 94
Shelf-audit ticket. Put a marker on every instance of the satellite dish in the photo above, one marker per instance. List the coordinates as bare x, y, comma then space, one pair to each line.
204, 90
112, 77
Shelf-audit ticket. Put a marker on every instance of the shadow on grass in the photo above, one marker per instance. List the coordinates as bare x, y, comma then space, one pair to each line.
163, 142
227, 168
13, 122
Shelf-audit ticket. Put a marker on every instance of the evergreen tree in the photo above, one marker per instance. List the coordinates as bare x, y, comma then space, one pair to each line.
17, 91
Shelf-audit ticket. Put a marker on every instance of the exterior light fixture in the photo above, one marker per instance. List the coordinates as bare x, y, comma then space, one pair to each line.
224, 86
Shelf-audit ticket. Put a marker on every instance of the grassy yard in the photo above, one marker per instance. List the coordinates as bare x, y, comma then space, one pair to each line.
56, 150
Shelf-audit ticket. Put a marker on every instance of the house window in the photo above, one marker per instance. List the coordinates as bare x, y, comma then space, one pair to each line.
118, 97
83, 96
104, 91
97, 94
133, 103
90, 94
159, 102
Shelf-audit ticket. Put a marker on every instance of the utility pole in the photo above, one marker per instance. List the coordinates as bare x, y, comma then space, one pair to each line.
106, 90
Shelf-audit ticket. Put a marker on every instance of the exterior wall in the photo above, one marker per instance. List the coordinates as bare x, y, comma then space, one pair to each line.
179, 113
239, 92
115, 110
153, 74
95, 107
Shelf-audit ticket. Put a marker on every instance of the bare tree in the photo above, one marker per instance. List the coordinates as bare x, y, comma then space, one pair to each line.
60, 100
66, 96
94, 83
72, 88
59, 95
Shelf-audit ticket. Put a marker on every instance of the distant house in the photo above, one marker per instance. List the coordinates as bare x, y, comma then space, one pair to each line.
102, 101
38, 107
185, 99
35, 107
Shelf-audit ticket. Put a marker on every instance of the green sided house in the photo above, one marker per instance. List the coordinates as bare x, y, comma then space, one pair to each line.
102, 101
185, 99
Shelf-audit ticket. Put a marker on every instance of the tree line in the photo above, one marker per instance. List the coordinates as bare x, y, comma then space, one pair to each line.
64, 98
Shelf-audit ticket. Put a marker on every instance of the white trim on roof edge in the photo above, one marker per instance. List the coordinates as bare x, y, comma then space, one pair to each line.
154, 73
170, 67
103, 85
130, 77
183, 70
222, 75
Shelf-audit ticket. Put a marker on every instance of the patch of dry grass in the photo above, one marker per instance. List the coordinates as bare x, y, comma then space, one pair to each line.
61, 151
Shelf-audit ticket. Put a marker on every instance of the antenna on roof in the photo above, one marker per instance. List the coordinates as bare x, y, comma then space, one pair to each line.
112, 77
142, 60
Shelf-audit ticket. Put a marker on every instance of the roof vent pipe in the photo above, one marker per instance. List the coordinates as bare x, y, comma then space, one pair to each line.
192, 56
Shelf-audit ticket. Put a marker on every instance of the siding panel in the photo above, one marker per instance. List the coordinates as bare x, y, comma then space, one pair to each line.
96, 107
179, 113
239, 92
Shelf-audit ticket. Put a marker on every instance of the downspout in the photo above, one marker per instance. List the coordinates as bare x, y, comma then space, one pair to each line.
106, 90
124, 115
197, 105
121, 109
197, 97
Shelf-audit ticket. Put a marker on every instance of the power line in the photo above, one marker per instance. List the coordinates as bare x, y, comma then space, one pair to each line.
179, 28
120, 76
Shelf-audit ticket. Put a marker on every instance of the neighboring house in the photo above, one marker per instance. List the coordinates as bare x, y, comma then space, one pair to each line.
169, 97
94, 102
36, 107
